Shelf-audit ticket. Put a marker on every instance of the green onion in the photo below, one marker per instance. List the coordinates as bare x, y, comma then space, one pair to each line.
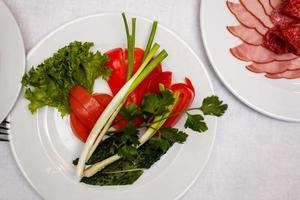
150, 40
126, 25
133, 30
131, 46
161, 56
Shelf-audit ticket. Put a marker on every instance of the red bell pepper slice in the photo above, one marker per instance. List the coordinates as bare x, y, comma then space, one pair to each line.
186, 96
118, 62
142, 89
164, 78
117, 77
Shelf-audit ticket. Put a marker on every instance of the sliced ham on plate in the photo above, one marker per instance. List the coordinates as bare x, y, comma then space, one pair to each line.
275, 67
258, 54
270, 32
267, 7
256, 9
247, 35
280, 19
245, 17
290, 74
292, 8
275, 3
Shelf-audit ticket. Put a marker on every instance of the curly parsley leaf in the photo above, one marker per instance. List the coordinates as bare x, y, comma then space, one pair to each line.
196, 123
157, 104
166, 98
130, 111
150, 103
213, 106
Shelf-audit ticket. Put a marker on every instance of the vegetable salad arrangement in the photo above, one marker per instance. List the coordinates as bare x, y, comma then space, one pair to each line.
127, 132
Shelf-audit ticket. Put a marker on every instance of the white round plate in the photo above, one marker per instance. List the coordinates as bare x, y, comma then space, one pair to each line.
44, 145
12, 60
275, 98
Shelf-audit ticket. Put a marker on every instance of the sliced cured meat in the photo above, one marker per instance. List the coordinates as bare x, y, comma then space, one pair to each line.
247, 35
292, 35
275, 67
266, 6
256, 9
246, 18
275, 3
279, 19
292, 8
287, 74
258, 54
275, 41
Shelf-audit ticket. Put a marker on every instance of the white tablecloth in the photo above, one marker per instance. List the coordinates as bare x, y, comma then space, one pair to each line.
254, 157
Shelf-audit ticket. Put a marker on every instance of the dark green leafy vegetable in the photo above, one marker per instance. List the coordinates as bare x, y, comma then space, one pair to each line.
117, 177
107, 148
50, 82
128, 152
173, 135
124, 172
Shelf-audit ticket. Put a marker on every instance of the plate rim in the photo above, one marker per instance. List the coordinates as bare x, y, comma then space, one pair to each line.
47, 36
24, 59
228, 86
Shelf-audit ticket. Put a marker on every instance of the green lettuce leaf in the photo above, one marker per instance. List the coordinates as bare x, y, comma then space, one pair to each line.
49, 83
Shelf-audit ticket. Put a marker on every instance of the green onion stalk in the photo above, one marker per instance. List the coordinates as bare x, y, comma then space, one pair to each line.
106, 119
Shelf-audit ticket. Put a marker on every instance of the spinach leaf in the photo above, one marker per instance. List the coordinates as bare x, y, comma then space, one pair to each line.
123, 172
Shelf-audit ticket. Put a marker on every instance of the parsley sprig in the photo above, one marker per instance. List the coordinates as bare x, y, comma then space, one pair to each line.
156, 105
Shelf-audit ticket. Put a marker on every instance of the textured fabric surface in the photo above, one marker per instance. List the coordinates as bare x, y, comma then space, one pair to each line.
254, 157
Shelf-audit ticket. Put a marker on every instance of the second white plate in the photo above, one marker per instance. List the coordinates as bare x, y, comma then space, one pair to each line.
275, 98
12, 61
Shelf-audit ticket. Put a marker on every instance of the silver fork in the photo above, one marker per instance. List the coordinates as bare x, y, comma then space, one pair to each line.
4, 129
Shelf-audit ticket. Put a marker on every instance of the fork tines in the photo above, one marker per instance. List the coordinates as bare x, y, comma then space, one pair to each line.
5, 121
4, 130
